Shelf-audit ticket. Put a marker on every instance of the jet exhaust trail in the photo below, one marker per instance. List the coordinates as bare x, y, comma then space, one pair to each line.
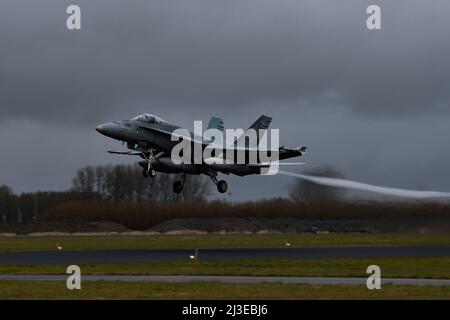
348, 184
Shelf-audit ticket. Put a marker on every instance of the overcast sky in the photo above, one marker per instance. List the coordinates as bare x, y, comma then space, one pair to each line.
375, 104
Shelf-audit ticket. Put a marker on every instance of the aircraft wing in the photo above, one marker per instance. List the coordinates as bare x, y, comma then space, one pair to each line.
128, 153
268, 164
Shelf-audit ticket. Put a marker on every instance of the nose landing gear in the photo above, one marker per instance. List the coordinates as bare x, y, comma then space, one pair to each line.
149, 157
146, 173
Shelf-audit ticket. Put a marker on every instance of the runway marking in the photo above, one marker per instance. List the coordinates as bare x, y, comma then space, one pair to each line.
231, 279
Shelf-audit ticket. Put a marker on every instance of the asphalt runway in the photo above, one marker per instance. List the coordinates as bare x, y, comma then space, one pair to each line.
162, 255
232, 279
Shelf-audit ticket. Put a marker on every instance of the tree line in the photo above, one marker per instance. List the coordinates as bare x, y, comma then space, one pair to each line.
123, 182
126, 182
99, 191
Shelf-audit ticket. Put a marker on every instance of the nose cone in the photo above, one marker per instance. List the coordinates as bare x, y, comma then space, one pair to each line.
108, 129
99, 128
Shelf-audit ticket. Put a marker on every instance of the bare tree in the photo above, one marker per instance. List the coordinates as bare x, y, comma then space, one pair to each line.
125, 182
84, 181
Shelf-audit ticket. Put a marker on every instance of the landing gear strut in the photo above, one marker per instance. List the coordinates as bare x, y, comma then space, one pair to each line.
179, 185
221, 185
149, 171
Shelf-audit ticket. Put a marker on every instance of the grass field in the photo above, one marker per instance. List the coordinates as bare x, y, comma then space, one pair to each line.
26, 243
391, 268
394, 267
212, 290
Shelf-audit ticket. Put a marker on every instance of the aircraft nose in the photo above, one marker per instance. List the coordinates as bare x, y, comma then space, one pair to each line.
107, 129
99, 128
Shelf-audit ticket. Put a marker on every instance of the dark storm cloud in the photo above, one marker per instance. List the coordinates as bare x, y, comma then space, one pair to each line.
206, 55
373, 103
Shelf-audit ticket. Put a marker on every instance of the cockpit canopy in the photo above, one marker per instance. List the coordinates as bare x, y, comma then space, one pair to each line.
148, 118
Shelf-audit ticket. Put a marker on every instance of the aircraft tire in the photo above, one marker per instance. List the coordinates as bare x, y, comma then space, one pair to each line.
222, 186
178, 187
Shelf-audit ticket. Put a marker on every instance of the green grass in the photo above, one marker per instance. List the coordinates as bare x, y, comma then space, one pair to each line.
26, 243
212, 290
392, 268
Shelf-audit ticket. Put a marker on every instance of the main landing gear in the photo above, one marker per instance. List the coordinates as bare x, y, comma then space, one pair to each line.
179, 185
221, 185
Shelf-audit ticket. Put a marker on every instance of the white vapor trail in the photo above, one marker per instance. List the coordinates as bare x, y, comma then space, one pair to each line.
342, 183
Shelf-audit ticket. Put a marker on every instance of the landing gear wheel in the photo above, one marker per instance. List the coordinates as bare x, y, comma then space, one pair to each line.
222, 186
150, 173
178, 187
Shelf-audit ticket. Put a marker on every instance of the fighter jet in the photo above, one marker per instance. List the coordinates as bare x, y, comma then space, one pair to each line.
152, 139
